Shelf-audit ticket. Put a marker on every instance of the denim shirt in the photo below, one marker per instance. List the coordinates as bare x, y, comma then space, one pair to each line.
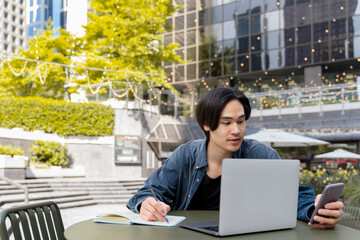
176, 182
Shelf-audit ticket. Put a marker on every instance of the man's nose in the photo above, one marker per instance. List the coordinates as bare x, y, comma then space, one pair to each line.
235, 129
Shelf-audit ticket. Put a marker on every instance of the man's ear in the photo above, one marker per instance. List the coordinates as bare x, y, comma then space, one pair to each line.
206, 128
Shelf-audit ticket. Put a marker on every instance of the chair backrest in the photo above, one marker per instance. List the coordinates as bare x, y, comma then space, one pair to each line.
351, 217
33, 221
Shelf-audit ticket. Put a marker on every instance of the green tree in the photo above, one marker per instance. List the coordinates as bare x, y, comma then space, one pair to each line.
126, 36
38, 78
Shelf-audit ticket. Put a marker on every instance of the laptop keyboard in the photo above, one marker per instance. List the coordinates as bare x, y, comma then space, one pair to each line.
211, 228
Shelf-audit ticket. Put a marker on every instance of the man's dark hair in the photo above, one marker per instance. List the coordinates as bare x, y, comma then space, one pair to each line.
210, 106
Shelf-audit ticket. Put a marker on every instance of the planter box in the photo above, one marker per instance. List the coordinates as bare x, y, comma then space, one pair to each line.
54, 172
13, 167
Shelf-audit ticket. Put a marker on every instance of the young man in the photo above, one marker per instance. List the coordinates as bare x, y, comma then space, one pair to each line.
190, 177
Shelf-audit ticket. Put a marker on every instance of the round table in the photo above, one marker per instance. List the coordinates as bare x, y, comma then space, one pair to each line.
89, 230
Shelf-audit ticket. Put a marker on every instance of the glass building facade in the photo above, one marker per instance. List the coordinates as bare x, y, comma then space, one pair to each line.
259, 45
40, 11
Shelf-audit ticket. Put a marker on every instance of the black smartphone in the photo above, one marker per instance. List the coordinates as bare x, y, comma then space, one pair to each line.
331, 193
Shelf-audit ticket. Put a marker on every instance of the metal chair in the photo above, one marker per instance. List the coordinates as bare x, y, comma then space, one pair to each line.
351, 217
33, 221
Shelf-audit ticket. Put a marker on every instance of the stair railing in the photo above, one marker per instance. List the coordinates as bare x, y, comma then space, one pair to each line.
17, 185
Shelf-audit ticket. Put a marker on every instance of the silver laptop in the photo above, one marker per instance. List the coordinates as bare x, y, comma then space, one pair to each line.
256, 195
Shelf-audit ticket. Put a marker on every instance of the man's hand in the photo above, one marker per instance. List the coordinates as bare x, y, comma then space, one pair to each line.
330, 214
152, 210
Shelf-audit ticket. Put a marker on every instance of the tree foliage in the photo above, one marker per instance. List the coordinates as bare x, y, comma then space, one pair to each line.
125, 35
43, 47
120, 35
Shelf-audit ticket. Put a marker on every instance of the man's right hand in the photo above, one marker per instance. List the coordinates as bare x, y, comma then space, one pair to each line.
152, 210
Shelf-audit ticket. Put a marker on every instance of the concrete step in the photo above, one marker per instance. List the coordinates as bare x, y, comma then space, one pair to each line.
40, 196
112, 201
77, 204
20, 191
112, 196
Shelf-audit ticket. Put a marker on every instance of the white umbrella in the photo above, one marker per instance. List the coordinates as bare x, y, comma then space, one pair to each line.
280, 138
339, 153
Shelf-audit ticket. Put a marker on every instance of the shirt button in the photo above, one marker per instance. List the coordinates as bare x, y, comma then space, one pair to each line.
189, 195
197, 180
197, 167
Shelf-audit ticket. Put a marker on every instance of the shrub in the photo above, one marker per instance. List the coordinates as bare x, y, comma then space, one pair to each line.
50, 153
56, 116
319, 177
10, 150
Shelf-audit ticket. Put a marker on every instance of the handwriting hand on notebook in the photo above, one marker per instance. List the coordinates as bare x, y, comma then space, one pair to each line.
153, 210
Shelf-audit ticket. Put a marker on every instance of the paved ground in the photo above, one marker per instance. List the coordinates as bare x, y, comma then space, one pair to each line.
73, 215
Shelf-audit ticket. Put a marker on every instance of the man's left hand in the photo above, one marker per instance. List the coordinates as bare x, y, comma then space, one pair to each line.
328, 216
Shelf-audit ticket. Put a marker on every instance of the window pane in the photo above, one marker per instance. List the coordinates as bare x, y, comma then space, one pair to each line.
191, 71
204, 69
217, 32
179, 38
338, 49
356, 46
191, 5
321, 52
257, 6
243, 45
229, 66
337, 8
217, 14
289, 37
229, 47
242, 27
179, 73
179, 23
338, 28
215, 68
191, 22
290, 56
255, 24
229, 11
320, 10
276, 59
204, 17
256, 43
204, 52
256, 63
167, 39
229, 30
303, 12
289, 17
272, 21
216, 49
354, 25
191, 54
243, 63
321, 31
273, 40
303, 34
190, 37
180, 52
303, 55
168, 25
242, 8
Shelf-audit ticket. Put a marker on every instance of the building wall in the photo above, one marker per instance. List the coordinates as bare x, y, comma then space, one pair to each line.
12, 25
260, 45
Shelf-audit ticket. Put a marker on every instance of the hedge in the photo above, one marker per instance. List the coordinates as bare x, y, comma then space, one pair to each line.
56, 116
10, 150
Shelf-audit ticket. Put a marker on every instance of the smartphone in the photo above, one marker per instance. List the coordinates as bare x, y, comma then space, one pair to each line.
331, 193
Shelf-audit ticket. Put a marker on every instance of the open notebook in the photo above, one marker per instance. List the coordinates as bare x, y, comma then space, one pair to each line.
134, 218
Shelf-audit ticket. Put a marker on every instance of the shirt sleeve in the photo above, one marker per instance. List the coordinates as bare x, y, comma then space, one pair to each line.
163, 181
306, 202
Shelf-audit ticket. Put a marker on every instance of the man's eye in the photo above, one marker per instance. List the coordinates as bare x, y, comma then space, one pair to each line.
241, 122
226, 123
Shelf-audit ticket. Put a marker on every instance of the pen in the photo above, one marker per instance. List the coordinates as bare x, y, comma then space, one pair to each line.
152, 191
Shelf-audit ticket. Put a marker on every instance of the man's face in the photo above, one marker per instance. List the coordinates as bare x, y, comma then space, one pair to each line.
229, 134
